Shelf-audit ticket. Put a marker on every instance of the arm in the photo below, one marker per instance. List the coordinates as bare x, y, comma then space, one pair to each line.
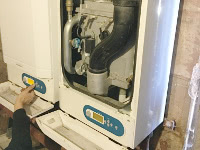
21, 139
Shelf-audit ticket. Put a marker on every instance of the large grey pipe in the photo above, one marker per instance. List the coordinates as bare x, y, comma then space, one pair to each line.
67, 44
125, 25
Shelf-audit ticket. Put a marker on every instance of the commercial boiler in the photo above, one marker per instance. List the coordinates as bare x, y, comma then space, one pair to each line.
106, 62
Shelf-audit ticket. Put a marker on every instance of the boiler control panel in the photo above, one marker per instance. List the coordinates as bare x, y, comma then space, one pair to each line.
103, 120
29, 80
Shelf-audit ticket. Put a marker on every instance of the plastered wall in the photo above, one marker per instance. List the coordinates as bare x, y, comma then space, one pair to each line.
3, 73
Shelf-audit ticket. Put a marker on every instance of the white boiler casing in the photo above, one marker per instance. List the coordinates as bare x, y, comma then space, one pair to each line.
157, 30
31, 39
30, 32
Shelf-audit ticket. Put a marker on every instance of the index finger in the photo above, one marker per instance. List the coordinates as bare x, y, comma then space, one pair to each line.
30, 88
23, 89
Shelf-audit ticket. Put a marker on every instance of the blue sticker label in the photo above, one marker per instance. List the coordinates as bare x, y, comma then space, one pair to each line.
103, 120
29, 80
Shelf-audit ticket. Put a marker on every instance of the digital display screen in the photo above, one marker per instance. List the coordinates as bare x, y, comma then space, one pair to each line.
30, 81
98, 117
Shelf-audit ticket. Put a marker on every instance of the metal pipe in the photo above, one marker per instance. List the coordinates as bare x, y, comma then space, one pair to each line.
192, 124
193, 117
69, 8
125, 25
95, 84
67, 44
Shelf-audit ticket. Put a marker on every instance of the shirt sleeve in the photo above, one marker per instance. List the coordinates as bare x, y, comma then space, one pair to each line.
21, 139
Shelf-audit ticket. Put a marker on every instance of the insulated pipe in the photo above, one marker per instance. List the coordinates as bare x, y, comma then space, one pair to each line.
67, 44
125, 21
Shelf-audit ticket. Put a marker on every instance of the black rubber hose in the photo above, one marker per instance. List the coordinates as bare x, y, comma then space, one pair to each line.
125, 21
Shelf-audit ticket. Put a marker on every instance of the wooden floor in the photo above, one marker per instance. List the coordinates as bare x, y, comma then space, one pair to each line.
4, 142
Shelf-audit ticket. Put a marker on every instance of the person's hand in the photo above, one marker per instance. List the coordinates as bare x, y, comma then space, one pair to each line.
25, 97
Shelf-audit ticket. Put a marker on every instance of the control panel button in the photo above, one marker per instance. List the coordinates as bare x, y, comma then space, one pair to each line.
29, 80
37, 85
88, 113
25, 79
116, 127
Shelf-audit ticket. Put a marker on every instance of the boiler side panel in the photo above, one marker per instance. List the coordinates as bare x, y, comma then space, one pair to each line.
153, 64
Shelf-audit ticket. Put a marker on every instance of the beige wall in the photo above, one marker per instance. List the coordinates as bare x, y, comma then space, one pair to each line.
3, 73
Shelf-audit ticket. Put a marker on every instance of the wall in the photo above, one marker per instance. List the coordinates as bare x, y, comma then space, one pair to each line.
3, 77
3, 73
